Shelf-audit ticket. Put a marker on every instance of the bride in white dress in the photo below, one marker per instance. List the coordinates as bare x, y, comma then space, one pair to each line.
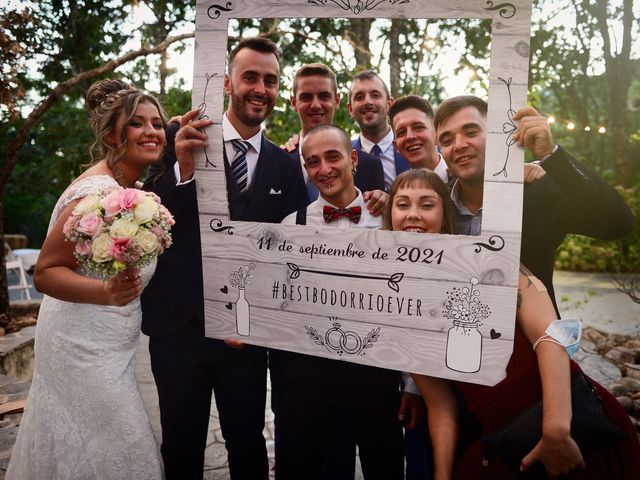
84, 417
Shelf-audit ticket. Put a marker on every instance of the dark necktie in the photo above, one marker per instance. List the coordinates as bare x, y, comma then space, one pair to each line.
376, 151
239, 165
331, 214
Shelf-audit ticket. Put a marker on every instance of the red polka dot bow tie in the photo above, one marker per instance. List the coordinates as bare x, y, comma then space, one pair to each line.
331, 213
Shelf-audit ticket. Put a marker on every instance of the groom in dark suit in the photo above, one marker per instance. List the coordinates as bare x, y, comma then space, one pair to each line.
264, 185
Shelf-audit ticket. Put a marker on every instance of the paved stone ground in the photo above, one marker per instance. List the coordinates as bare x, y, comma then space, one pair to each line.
595, 299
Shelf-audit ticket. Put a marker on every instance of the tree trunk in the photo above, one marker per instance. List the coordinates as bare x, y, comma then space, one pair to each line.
4, 290
618, 74
164, 57
619, 83
394, 57
359, 36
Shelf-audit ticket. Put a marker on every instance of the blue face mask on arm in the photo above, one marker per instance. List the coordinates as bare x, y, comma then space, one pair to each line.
566, 333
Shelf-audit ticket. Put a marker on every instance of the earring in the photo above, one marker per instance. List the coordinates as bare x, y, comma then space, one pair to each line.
354, 171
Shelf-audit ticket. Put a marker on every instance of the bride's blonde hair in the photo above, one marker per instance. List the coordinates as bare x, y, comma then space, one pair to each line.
106, 100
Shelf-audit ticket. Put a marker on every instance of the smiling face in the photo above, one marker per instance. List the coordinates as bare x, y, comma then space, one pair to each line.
329, 160
144, 136
369, 107
415, 138
315, 101
417, 209
462, 137
252, 85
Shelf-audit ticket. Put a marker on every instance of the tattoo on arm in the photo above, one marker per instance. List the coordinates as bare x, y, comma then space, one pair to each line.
519, 300
532, 280
527, 274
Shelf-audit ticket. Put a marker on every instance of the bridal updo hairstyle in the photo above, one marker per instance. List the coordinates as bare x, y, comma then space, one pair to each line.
106, 100
418, 178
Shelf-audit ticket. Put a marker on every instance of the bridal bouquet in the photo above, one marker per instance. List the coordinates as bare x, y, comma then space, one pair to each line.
118, 229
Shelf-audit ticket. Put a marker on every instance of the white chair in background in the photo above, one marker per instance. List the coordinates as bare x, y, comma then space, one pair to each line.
15, 264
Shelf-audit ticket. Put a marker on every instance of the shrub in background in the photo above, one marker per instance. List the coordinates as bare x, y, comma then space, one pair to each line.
584, 254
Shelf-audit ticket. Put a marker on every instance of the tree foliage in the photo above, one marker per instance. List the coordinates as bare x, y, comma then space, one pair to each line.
65, 68
409, 52
169, 15
582, 70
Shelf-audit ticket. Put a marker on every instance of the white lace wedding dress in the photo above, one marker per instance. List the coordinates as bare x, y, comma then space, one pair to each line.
84, 417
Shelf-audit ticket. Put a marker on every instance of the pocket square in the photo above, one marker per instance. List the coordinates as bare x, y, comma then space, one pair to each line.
273, 192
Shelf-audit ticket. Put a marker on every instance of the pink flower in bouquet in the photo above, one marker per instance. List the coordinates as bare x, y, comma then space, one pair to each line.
111, 204
154, 196
83, 247
164, 211
129, 198
163, 238
90, 224
69, 227
133, 252
119, 247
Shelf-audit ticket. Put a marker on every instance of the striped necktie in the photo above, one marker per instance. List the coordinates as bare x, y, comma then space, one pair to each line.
239, 165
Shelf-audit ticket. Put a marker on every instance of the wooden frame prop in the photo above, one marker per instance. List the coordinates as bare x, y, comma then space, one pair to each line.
441, 305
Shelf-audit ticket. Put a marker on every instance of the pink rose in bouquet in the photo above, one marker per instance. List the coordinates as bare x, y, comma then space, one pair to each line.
90, 224
129, 198
111, 203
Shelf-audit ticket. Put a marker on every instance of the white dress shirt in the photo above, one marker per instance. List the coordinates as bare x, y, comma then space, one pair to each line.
304, 170
387, 157
441, 169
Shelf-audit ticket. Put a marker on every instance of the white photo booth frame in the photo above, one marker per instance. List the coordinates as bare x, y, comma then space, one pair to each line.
404, 304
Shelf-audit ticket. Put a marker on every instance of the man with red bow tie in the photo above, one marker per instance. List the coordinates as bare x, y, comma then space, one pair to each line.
312, 395
330, 162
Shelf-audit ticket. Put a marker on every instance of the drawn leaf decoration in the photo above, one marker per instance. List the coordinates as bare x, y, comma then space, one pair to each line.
295, 270
371, 338
394, 280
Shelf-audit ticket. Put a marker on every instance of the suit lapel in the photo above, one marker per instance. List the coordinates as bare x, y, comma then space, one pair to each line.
264, 171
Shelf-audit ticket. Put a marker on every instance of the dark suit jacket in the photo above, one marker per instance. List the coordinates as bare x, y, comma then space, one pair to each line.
401, 163
175, 295
369, 174
568, 199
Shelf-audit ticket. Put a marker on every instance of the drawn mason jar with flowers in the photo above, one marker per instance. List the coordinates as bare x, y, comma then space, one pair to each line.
240, 279
464, 341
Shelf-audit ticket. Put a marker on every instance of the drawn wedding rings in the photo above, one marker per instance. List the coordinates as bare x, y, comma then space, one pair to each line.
339, 340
